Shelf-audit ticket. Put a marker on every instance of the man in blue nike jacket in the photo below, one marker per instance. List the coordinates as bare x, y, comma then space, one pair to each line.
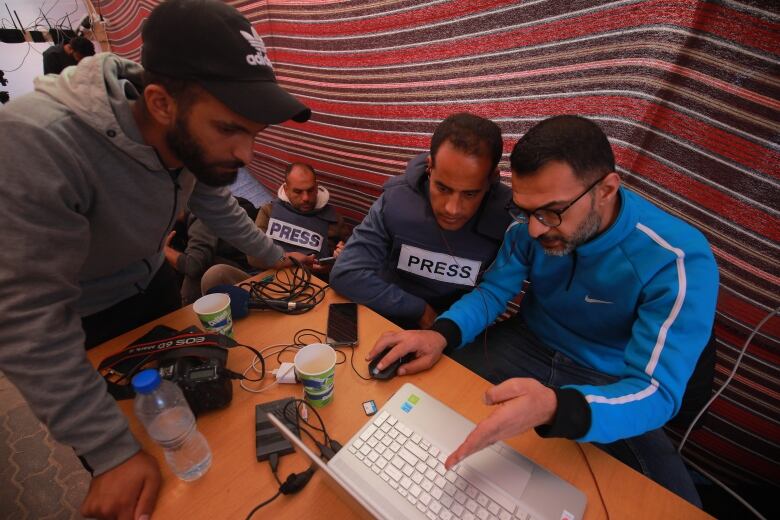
619, 308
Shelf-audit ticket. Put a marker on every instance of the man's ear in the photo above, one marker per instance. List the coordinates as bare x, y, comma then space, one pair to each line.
428, 164
160, 105
608, 187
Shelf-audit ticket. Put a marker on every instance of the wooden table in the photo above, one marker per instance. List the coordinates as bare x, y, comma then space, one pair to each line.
236, 482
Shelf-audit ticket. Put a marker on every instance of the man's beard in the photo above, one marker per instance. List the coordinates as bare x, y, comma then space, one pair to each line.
191, 154
587, 230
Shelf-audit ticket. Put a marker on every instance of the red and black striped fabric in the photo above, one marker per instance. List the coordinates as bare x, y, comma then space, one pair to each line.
688, 92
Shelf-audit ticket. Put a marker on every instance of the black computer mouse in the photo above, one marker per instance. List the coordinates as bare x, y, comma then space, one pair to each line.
390, 370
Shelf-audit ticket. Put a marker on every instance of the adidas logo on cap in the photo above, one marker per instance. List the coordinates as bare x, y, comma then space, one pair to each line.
260, 57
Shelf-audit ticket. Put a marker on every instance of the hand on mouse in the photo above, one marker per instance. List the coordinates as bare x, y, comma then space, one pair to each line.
425, 345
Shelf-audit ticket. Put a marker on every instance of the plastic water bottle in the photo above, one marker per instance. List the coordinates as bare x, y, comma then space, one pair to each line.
161, 407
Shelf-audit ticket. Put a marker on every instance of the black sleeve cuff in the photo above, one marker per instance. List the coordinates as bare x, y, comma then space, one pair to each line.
571, 419
450, 330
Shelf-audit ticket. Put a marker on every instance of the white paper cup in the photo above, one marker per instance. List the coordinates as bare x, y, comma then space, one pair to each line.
213, 310
315, 367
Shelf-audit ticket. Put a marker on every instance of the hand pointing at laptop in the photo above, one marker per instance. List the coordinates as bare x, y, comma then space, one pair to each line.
520, 403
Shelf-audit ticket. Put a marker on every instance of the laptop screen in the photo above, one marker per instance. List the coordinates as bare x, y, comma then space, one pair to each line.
343, 490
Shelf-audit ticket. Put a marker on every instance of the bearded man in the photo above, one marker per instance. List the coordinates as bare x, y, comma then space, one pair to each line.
97, 164
618, 310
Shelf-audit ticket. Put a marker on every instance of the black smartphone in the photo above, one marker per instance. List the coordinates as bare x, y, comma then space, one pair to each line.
342, 324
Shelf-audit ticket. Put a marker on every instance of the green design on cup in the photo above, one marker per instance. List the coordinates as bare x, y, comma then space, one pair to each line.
315, 367
213, 310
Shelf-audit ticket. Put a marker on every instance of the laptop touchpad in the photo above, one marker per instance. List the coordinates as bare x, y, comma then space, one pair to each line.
511, 475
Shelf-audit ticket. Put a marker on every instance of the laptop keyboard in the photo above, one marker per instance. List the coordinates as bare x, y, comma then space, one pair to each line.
414, 468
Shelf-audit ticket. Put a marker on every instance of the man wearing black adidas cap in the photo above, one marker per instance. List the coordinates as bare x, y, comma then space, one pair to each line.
97, 163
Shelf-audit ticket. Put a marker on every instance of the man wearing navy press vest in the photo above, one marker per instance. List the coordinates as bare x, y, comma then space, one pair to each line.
301, 218
434, 230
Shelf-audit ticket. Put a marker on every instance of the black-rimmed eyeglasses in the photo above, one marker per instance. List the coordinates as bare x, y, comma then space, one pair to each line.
547, 216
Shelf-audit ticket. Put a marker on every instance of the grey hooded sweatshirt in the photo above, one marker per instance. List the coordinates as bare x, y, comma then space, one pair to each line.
85, 207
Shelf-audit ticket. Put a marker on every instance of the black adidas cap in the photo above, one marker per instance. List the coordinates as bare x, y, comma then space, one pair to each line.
213, 45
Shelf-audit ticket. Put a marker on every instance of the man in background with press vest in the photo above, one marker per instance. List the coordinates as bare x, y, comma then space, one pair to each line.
300, 220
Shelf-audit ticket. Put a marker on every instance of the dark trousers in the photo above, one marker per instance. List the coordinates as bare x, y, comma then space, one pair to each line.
158, 299
514, 351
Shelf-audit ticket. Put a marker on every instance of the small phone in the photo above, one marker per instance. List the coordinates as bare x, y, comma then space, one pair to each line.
342, 324
326, 260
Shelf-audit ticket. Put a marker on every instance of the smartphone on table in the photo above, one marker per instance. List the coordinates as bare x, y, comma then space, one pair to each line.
342, 324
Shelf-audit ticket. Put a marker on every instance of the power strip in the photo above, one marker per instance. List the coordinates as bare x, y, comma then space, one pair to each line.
268, 439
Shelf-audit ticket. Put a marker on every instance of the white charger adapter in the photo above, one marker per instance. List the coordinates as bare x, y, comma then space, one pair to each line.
285, 373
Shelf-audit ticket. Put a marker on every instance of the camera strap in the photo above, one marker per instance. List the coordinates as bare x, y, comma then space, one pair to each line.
161, 343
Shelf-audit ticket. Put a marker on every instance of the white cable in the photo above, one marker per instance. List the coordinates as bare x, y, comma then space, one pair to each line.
258, 390
728, 380
726, 489
253, 366
704, 408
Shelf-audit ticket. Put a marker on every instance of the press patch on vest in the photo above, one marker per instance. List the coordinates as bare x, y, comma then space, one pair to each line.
438, 266
295, 235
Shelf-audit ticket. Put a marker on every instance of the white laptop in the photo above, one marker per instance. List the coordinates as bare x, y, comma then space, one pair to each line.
394, 468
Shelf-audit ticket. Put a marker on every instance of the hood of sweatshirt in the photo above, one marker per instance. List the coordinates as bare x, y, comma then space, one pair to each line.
97, 92
323, 196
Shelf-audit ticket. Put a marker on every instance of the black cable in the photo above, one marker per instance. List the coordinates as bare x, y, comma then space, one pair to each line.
297, 481
259, 356
273, 460
288, 292
298, 418
285, 349
298, 343
29, 46
298, 347
320, 337
262, 504
303, 333
595, 480
352, 363
311, 436
328, 447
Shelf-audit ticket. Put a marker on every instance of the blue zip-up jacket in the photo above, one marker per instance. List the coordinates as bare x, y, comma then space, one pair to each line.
636, 302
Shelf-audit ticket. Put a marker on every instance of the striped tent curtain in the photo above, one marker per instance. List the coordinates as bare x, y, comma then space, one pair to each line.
687, 92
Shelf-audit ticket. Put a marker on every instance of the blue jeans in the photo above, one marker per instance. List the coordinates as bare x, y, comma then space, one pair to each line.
514, 351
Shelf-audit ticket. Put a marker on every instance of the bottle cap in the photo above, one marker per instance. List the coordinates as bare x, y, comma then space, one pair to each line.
146, 381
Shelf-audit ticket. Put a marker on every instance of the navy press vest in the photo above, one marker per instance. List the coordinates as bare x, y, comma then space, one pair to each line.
436, 265
301, 232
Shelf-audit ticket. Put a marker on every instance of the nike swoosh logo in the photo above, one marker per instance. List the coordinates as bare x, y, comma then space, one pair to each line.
588, 299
